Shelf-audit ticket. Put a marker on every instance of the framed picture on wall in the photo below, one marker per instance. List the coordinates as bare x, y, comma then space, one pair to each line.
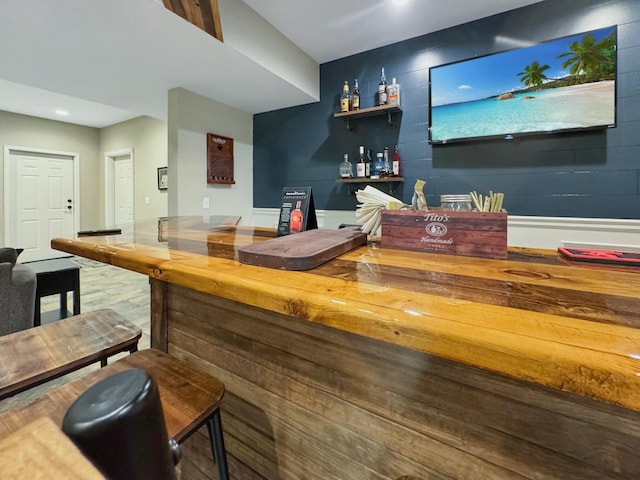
162, 178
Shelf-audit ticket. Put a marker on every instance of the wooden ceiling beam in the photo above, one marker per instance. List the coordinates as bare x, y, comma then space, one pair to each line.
204, 14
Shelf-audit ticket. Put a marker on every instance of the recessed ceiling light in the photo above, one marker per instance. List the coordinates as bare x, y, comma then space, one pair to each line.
64, 113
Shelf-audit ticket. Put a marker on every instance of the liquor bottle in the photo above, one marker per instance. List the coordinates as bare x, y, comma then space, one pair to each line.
378, 167
368, 165
387, 165
344, 98
355, 97
382, 89
361, 166
393, 93
346, 169
395, 161
295, 219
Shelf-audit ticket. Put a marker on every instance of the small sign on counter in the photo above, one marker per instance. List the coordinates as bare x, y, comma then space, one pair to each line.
297, 212
474, 234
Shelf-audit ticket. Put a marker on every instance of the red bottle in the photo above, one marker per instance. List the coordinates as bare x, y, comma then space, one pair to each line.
395, 162
295, 221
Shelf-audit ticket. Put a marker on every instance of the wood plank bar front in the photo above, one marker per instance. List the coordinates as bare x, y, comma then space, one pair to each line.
383, 363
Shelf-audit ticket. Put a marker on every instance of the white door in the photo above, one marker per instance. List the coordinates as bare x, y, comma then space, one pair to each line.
123, 190
40, 200
119, 187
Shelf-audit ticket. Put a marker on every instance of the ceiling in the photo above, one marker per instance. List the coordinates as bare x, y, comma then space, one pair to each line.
108, 61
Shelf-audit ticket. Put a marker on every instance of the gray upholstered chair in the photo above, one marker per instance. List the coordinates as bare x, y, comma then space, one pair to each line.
17, 295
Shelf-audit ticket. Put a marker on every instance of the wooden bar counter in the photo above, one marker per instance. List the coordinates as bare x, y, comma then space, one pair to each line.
383, 363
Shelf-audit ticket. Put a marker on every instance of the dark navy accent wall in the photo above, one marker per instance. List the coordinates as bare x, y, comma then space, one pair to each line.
595, 174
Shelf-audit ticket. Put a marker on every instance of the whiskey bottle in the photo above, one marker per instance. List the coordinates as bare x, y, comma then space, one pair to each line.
368, 165
361, 166
355, 97
395, 162
382, 89
344, 98
295, 220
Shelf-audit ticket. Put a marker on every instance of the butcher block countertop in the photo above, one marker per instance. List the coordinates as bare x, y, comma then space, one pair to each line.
535, 316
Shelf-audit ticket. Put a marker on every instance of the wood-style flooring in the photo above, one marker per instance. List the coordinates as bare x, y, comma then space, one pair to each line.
101, 286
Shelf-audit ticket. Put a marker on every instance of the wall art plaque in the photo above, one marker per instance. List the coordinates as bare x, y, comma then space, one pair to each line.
219, 159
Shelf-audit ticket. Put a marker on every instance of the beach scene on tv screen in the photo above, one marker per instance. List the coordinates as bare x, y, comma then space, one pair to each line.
563, 84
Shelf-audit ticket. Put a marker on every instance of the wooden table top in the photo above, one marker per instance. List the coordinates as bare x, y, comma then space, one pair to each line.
35, 355
534, 316
40, 451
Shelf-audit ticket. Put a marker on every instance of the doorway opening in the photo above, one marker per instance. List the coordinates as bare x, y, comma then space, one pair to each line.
119, 186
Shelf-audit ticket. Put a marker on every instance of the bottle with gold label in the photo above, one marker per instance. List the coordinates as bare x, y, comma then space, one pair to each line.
355, 97
344, 98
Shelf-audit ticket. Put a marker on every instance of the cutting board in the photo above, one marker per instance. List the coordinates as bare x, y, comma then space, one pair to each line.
304, 250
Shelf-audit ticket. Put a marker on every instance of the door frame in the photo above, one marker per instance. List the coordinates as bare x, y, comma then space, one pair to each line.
109, 164
42, 151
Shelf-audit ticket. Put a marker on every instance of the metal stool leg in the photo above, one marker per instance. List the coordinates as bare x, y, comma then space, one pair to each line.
214, 426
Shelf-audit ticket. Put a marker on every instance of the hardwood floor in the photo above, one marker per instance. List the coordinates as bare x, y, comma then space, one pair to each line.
106, 286
101, 286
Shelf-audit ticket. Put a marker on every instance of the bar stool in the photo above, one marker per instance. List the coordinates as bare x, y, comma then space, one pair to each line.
189, 398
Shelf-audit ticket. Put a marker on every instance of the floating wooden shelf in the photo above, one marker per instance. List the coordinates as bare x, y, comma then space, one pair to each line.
391, 181
370, 180
369, 112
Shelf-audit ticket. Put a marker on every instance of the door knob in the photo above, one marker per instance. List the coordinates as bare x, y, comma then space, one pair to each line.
69, 207
68, 200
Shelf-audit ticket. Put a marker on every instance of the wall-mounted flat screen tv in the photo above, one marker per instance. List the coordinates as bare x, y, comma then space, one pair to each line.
562, 85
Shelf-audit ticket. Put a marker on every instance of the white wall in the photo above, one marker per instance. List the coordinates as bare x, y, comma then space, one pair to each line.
191, 117
26, 131
251, 35
148, 137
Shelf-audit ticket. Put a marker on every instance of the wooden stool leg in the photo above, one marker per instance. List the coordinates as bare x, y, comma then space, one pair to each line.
214, 425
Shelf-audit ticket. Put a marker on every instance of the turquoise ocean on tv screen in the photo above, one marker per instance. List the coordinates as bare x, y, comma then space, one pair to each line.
580, 106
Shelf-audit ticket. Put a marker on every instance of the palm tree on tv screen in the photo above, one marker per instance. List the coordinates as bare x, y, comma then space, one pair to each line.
590, 59
533, 75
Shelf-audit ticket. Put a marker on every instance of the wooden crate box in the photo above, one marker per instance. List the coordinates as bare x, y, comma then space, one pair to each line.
473, 234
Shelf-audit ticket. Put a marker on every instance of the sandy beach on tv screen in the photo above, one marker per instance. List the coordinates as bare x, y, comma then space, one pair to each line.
605, 88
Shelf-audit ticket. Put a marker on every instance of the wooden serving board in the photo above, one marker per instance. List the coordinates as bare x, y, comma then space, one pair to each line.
304, 250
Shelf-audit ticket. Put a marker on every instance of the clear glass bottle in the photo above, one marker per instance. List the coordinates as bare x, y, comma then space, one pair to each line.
378, 167
393, 93
346, 169
387, 165
456, 203
344, 98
